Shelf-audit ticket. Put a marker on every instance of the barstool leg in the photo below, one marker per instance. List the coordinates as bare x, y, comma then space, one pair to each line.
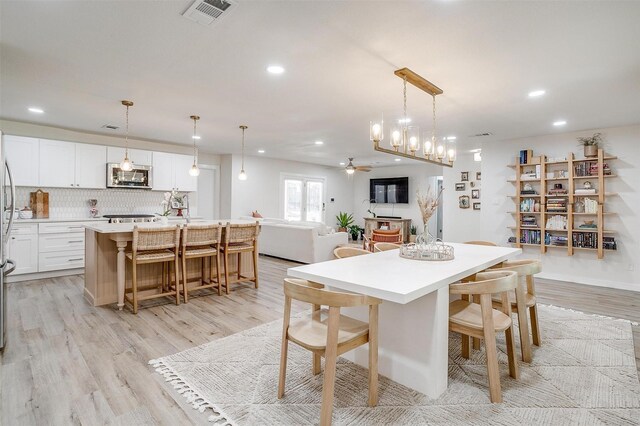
134, 286
184, 279
226, 271
218, 274
255, 265
239, 265
177, 266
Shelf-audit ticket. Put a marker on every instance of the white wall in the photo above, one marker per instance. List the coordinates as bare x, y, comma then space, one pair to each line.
261, 190
459, 225
421, 176
617, 269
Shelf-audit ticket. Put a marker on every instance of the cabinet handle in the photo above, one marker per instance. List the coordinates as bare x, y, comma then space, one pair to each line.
75, 241
76, 227
74, 260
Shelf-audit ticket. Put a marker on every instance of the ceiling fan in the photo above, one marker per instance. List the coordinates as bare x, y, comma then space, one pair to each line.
351, 169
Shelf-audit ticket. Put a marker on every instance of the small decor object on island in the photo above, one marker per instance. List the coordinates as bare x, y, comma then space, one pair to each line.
344, 220
476, 206
413, 233
475, 194
464, 176
591, 144
93, 210
460, 186
428, 204
463, 201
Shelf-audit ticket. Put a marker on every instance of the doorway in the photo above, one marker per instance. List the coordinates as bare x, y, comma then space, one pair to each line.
208, 207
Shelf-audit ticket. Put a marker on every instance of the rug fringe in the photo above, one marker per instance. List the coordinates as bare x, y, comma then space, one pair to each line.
589, 314
197, 401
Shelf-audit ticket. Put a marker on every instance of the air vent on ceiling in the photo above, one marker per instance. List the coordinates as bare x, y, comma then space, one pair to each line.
207, 11
110, 127
479, 135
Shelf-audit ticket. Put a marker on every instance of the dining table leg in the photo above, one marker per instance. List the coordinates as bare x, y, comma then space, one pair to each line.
121, 272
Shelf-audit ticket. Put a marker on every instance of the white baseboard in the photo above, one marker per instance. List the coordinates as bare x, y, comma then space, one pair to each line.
589, 281
41, 275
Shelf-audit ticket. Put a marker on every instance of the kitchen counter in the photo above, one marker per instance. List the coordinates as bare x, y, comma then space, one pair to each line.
60, 220
105, 262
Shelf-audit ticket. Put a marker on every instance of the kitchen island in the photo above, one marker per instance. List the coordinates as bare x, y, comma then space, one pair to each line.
105, 247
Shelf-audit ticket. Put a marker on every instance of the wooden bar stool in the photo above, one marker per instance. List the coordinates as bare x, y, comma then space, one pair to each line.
524, 300
154, 245
342, 252
385, 246
483, 321
238, 239
201, 242
329, 334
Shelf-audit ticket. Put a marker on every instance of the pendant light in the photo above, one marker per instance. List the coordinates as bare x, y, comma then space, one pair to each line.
126, 164
243, 174
195, 171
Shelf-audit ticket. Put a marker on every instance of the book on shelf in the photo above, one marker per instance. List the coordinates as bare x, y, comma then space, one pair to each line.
529, 222
528, 192
528, 205
557, 223
530, 236
584, 191
590, 168
556, 240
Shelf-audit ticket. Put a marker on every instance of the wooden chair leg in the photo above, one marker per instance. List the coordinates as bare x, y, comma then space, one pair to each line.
330, 356
475, 340
255, 266
316, 364
523, 324
164, 276
226, 271
511, 353
134, 286
177, 281
535, 326
184, 280
491, 350
218, 275
465, 346
373, 355
285, 347
239, 265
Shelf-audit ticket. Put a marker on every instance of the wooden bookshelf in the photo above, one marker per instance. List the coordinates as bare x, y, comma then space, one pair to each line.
570, 182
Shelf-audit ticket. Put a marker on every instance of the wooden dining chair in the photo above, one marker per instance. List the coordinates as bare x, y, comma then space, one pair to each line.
342, 252
382, 236
328, 334
524, 300
236, 240
483, 321
385, 246
154, 245
201, 242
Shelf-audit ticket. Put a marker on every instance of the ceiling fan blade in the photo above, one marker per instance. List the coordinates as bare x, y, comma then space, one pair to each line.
363, 168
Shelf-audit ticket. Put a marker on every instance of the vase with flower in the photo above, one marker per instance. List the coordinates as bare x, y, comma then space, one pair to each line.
428, 204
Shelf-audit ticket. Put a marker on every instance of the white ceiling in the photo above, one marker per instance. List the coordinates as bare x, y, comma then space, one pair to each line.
77, 60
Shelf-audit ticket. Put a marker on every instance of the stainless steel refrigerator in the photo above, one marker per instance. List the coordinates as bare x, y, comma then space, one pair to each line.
7, 209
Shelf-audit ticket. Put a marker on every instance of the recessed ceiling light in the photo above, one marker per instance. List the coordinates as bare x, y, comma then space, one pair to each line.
36, 110
342, 163
559, 123
275, 69
404, 120
261, 151
536, 93
451, 138
319, 143
196, 137
397, 159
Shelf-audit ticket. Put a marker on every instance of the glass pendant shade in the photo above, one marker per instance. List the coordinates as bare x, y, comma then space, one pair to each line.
396, 137
451, 151
428, 146
440, 150
126, 165
242, 175
413, 139
194, 170
376, 131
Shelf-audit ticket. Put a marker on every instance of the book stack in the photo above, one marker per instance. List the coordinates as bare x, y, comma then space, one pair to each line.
590, 168
528, 192
530, 237
557, 191
556, 205
590, 206
525, 156
527, 205
557, 223
609, 243
584, 191
528, 222
585, 239
556, 240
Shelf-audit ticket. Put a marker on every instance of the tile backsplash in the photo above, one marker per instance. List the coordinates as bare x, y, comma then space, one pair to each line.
67, 203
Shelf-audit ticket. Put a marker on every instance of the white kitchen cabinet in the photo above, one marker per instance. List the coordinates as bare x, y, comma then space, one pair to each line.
91, 166
57, 164
183, 180
23, 248
163, 176
22, 155
137, 156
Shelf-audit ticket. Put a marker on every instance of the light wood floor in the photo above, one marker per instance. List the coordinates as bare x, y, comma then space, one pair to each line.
69, 363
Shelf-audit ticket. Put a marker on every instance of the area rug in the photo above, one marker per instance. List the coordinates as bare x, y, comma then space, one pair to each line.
584, 373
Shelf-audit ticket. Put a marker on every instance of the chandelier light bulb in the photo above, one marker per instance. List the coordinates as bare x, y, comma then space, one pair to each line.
194, 170
125, 164
242, 175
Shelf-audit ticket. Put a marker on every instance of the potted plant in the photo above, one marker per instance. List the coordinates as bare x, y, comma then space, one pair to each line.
591, 144
355, 230
413, 233
344, 221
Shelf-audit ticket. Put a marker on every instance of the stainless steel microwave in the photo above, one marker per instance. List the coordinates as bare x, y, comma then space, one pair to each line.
139, 177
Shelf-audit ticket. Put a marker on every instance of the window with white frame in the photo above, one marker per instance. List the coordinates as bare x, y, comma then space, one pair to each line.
302, 198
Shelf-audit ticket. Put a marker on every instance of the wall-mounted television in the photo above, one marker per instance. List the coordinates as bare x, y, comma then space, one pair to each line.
389, 190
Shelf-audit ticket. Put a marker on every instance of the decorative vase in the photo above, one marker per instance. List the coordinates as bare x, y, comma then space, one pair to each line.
426, 237
591, 151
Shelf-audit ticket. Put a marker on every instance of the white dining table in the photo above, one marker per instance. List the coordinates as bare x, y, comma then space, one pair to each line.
414, 317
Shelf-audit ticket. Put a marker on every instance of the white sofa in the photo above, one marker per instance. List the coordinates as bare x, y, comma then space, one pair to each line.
305, 242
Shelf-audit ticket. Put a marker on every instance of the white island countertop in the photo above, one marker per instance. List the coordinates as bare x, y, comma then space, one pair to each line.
117, 228
387, 276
